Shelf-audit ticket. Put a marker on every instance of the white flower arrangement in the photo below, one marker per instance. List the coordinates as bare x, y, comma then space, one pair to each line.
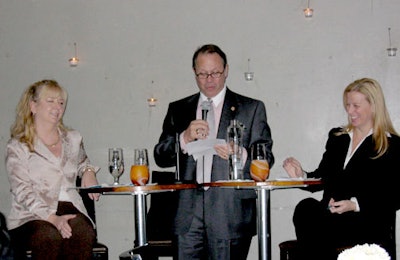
364, 252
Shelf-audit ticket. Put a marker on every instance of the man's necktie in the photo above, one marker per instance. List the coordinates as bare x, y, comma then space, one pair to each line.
211, 120
204, 164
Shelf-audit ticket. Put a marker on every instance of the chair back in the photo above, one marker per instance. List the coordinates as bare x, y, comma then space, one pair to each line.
6, 252
88, 202
163, 205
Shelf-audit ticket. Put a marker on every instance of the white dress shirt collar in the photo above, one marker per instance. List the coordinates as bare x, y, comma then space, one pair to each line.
216, 100
350, 150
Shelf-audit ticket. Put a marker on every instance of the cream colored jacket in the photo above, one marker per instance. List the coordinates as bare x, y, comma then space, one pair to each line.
35, 177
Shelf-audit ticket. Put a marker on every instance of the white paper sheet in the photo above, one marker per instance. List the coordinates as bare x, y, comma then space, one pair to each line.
203, 147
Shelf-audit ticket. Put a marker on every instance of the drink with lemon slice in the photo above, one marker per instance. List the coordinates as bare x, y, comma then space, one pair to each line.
259, 170
139, 174
259, 167
140, 169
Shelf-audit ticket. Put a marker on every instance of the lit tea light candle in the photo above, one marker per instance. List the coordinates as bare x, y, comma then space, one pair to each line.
152, 102
73, 61
308, 12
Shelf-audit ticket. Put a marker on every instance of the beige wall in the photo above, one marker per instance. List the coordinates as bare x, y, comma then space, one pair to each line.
131, 50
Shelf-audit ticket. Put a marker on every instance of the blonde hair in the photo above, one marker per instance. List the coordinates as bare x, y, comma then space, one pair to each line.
23, 128
382, 124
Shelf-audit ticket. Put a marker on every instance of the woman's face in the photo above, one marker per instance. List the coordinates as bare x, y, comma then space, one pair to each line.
359, 110
49, 108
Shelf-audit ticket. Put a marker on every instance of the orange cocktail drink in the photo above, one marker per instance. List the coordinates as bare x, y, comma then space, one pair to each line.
259, 170
139, 174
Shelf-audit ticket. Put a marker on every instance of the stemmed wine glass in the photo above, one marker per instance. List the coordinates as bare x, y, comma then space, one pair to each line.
116, 163
140, 169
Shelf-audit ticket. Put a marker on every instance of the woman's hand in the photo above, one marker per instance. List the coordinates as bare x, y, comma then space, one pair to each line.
341, 206
88, 180
198, 129
61, 223
293, 168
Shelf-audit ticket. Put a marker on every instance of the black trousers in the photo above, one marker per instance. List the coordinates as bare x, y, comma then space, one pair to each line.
320, 233
46, 242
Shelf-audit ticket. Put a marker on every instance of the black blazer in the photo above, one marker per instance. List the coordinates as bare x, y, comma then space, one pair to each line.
231, 213
374, 182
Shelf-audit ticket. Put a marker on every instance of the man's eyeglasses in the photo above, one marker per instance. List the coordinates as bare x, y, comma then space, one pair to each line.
214, 75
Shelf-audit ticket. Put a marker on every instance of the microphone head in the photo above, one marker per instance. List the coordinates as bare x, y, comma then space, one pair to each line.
206, 105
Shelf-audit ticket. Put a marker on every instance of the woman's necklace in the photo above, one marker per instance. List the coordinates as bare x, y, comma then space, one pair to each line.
54, 144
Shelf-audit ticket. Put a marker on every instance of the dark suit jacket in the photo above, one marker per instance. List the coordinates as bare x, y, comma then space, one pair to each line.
374, 182
230, 213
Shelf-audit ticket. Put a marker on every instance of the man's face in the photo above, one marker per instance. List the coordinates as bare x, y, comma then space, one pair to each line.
210, 73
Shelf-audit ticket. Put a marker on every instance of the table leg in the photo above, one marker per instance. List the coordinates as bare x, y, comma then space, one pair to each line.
263, 224
140, 220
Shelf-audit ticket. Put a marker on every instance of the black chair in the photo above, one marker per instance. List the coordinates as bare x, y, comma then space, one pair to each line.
159, 222
100, 251
288, 250
6, 251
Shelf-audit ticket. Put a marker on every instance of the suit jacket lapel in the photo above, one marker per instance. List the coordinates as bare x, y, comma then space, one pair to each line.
362, 152
228, 113
184, 112
192, 107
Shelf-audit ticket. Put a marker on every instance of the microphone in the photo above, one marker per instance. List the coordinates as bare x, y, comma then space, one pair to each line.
177, 150
205, 107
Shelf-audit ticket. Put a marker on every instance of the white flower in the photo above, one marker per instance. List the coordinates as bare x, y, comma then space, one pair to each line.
364, 252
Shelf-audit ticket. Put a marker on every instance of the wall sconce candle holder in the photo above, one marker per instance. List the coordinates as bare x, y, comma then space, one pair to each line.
308, 12
391, 50
248, 75
73, 62
152, 102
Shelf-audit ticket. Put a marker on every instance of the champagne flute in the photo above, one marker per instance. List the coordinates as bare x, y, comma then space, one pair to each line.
116, 163
259, 168
140, 168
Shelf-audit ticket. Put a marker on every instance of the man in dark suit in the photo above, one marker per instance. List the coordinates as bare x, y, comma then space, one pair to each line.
214, 223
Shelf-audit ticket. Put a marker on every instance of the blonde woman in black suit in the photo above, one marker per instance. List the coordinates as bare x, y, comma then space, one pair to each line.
360, 173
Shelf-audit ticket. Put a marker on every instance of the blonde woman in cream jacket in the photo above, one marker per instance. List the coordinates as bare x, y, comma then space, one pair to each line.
43, 161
